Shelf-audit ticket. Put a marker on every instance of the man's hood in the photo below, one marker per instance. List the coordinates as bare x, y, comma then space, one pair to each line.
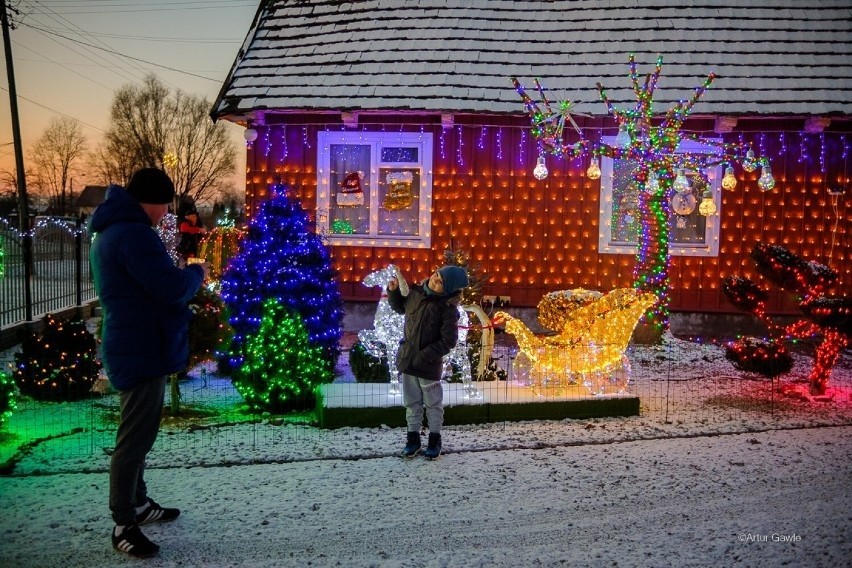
118, 207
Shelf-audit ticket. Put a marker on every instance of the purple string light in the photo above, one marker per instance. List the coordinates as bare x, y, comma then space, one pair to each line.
441, 140
482, 133
822, 152
459, 148
284, 151
803, 148
500, 143
522, 146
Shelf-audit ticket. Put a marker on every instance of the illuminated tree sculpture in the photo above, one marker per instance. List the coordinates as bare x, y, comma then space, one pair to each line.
282, 258
651, 145
827, 317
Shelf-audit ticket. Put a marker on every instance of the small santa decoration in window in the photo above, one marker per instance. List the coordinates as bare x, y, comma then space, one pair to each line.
351, 194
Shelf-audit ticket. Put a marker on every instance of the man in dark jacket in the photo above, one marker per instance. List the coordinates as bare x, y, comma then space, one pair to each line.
145, 338
431, 331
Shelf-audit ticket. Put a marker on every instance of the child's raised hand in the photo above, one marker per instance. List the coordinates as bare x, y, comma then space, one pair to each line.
393, 285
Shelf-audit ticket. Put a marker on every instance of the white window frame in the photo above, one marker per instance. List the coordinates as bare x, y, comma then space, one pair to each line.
377, 140
710, 248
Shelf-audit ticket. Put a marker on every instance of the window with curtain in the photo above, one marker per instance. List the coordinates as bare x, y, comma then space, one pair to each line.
375, 188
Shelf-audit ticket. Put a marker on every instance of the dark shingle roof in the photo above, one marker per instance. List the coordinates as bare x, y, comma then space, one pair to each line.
775, 57
91, 196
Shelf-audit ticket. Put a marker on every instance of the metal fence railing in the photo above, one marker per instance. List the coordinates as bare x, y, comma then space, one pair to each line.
61, 277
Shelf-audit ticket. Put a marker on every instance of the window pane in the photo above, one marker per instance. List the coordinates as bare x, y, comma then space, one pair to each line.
626, 223
399, 201
395, 155
686, 225
349, 178
689, 228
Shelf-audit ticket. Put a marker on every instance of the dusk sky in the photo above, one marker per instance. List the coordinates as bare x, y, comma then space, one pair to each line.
71, 56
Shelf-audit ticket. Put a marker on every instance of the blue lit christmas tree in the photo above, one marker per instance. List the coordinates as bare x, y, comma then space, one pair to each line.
281, 258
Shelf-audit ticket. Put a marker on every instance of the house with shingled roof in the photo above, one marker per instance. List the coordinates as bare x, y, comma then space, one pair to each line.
397, 124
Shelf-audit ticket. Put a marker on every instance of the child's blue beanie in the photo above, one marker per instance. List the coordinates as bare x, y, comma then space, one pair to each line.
454, 277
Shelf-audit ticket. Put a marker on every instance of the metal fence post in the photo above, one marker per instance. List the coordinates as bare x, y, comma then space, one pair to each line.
78, 261
27, 242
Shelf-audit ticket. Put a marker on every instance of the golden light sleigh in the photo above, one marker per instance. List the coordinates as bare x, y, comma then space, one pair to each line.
590, 348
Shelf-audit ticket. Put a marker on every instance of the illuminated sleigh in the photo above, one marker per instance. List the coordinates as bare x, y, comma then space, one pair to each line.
590, 348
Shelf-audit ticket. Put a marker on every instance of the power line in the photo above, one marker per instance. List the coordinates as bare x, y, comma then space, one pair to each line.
77, 30
160, 38
49, 60
113, 52
92, 126
99, 8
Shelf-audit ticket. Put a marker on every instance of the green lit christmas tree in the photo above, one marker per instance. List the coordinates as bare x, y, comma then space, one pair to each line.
281, 369
7, 397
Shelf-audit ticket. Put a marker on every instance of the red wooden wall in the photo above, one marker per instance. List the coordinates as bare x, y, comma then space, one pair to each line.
533, 237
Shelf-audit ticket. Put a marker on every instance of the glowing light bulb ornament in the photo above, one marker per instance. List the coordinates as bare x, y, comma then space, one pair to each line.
681, 184
540, 171
750, 164
594, 170
707, 206
729, 181
622, 139
653, 183
766, 181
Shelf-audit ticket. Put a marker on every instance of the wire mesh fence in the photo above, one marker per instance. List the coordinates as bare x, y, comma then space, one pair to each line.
683, 389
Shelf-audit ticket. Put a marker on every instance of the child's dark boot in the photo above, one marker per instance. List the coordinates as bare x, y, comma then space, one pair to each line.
412, 445
433, 450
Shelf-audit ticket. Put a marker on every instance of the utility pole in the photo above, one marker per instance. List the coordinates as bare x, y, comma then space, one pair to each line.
23, 208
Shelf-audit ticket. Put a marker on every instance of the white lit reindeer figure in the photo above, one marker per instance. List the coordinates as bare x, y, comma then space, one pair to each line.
388, 326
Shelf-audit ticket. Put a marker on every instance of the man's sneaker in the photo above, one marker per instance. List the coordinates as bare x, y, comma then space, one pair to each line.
412, 445
433, 450
131, 541
153, 513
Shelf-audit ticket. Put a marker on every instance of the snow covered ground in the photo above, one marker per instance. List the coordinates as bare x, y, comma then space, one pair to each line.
719, 470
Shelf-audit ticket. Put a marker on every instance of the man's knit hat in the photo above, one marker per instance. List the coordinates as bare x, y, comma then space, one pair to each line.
454, 277
151, 185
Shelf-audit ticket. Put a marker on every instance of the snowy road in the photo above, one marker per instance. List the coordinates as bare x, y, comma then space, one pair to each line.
758, 499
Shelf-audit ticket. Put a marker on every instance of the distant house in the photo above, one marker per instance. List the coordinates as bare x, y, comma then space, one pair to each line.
397, 125
89, 199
